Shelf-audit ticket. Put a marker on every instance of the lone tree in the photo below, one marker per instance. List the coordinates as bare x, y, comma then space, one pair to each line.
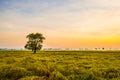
34, 42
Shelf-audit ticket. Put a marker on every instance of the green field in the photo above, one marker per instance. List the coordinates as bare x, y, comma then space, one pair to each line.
60, 65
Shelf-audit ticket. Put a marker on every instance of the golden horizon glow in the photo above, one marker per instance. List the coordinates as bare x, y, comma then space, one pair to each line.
65, 24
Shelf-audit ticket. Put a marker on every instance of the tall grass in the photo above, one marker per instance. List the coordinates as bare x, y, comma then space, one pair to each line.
60, 65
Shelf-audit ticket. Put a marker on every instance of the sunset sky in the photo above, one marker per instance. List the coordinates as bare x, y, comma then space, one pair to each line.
64, 23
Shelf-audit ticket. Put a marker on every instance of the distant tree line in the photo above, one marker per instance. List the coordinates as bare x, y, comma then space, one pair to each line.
35, 41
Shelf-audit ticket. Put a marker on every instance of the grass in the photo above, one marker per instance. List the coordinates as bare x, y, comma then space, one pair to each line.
60, 65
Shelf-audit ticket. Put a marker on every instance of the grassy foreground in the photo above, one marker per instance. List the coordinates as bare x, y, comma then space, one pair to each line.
60, 65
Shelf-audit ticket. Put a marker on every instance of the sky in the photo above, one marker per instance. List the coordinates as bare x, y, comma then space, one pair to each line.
64, 23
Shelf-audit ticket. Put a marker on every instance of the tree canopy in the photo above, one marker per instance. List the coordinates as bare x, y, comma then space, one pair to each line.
34, 42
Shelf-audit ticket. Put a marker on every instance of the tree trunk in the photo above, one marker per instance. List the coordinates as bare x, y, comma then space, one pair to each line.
35, 50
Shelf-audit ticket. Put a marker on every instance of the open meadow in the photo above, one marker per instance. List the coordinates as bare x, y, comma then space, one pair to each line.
60, 65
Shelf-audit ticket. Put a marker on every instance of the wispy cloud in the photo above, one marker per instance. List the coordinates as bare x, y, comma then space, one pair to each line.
78, 19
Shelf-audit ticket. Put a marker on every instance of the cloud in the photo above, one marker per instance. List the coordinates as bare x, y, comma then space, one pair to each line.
95, 4
62, 18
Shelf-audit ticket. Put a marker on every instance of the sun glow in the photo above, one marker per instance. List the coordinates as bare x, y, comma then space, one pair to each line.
73, 24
